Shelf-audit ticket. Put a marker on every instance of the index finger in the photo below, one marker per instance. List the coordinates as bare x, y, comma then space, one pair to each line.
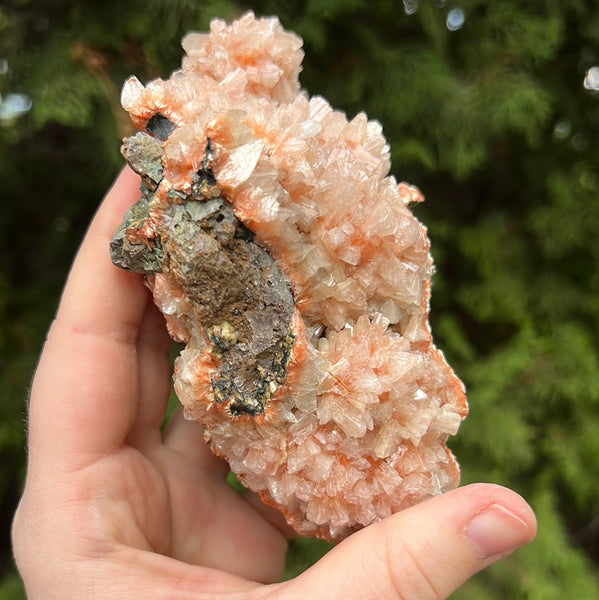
83, 398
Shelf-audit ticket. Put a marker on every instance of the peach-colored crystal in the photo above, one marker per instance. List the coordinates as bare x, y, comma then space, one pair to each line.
358, 428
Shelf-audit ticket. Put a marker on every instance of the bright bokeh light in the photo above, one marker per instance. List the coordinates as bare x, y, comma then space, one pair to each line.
410, 6
13, 106
591, 79
455, 19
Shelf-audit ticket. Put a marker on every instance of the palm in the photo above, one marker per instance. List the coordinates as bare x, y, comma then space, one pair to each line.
172, 484
185, 509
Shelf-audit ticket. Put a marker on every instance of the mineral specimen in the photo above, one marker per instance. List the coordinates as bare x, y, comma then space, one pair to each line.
288, 261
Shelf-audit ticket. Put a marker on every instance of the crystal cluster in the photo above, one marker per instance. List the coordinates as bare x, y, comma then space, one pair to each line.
287, 260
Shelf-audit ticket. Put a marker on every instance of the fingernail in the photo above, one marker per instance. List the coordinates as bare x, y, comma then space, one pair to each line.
496, 532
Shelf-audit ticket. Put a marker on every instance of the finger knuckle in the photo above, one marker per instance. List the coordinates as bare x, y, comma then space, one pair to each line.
406, 575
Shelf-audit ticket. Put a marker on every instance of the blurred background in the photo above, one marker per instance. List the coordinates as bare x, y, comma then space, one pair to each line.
491, 108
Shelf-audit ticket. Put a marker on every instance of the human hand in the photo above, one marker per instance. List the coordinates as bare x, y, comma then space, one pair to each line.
115, 508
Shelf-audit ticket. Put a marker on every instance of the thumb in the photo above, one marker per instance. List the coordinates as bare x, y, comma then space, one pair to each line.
425, 552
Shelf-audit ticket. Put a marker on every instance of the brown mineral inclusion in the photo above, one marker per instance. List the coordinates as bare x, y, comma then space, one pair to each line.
285, 257
243, 302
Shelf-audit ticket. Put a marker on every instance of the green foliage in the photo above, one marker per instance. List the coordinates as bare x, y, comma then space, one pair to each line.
11, 588
491, 121
303, 553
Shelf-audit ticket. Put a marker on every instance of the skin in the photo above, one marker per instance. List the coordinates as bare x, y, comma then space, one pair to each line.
113, 508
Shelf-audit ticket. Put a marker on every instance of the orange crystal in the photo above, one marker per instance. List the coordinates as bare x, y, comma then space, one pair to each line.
357, 428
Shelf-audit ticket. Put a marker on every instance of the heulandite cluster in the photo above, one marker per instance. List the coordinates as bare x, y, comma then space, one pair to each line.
287, 260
